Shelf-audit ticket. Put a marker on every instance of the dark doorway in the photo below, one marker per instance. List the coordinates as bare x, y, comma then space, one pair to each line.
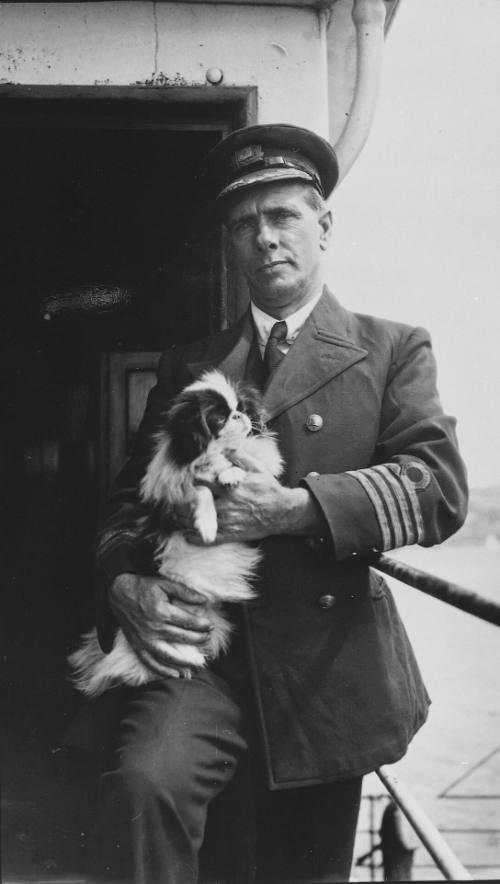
103, 258
109, 208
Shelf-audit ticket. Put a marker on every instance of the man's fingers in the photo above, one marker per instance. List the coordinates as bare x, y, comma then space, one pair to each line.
179, 591
162, 670
184, 636
178, 617
245, 461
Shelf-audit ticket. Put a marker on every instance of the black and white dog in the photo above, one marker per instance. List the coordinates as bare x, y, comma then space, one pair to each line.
192, 459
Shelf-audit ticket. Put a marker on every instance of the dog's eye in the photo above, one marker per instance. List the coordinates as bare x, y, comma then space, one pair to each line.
218, 421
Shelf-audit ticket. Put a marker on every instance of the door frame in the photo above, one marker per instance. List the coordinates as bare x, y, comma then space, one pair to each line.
19, 103
166, 108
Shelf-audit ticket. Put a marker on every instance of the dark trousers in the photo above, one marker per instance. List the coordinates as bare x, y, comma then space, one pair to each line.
181, 743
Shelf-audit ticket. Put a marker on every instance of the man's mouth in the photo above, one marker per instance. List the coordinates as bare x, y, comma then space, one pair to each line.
271, 265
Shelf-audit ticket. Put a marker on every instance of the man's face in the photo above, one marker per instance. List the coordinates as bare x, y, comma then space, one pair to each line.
277, 239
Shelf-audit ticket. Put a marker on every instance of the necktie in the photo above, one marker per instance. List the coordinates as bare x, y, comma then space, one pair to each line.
273, 355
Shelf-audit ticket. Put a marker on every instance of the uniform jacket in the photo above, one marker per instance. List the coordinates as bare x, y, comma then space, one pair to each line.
359, 422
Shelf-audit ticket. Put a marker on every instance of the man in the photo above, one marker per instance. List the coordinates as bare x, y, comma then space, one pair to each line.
320, 685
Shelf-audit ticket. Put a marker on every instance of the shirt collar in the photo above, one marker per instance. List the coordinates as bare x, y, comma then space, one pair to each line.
294, 322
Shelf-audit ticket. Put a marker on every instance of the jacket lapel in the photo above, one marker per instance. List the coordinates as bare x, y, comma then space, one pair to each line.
234, 363
323, 350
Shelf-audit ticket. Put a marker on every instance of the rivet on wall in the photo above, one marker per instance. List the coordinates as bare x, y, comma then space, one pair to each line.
214, 76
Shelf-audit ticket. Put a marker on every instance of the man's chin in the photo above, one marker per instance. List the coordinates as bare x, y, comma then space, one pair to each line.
275, 285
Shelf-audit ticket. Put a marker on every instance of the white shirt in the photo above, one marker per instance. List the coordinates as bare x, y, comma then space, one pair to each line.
294, 323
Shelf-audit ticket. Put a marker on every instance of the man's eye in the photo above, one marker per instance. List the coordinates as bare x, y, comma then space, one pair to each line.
282, 217
242, 227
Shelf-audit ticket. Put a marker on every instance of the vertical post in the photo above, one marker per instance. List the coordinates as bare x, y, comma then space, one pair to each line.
397, 848
372, 836
431, 838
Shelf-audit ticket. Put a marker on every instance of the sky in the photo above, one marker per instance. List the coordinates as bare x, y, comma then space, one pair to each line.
417, 220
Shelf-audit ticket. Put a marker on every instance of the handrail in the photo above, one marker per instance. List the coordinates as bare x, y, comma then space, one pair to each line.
471, 603
431, 838
451, 593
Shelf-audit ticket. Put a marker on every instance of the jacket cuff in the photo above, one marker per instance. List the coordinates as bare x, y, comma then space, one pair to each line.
348, 512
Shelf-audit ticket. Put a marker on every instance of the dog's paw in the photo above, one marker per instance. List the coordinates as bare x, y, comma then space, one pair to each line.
231, 477
206, 526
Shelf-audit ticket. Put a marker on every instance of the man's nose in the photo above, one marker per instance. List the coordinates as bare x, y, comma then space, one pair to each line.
266, 237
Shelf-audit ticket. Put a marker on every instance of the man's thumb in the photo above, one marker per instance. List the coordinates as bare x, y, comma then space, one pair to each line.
245, 461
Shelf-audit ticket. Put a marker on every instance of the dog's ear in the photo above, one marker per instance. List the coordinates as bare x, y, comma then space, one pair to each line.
250, 403
187, 426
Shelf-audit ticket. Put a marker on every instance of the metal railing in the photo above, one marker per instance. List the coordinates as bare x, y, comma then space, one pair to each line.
444, 590
429, 835
470, 603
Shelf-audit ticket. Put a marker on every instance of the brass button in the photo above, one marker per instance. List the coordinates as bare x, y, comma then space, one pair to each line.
312, 475
314, 423
326, 601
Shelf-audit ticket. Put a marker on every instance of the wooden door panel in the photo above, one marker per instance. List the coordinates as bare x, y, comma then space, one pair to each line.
126, 379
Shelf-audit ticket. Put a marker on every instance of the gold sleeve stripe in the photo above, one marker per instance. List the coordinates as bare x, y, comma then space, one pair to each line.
393, 503
363, 477
407, 515
410, 489
396, 504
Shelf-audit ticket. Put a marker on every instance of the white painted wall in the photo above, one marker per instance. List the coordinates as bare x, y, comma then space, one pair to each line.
417, 220
281, 50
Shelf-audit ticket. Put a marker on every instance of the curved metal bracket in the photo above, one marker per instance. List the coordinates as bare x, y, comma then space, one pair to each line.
369, 20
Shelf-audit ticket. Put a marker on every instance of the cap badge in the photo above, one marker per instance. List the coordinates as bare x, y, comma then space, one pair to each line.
251, 154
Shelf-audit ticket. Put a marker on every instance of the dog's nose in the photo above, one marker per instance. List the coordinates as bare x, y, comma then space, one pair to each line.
243, 422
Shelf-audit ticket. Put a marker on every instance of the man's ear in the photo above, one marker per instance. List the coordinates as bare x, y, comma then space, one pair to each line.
326, 223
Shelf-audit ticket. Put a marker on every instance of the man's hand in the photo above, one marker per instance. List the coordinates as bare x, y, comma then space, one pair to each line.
152, 610
260, 506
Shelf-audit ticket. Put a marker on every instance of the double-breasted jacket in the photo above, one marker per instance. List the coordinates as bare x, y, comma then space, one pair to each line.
359, 422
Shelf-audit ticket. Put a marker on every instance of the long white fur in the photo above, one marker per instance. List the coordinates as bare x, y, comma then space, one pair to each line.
221, 573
